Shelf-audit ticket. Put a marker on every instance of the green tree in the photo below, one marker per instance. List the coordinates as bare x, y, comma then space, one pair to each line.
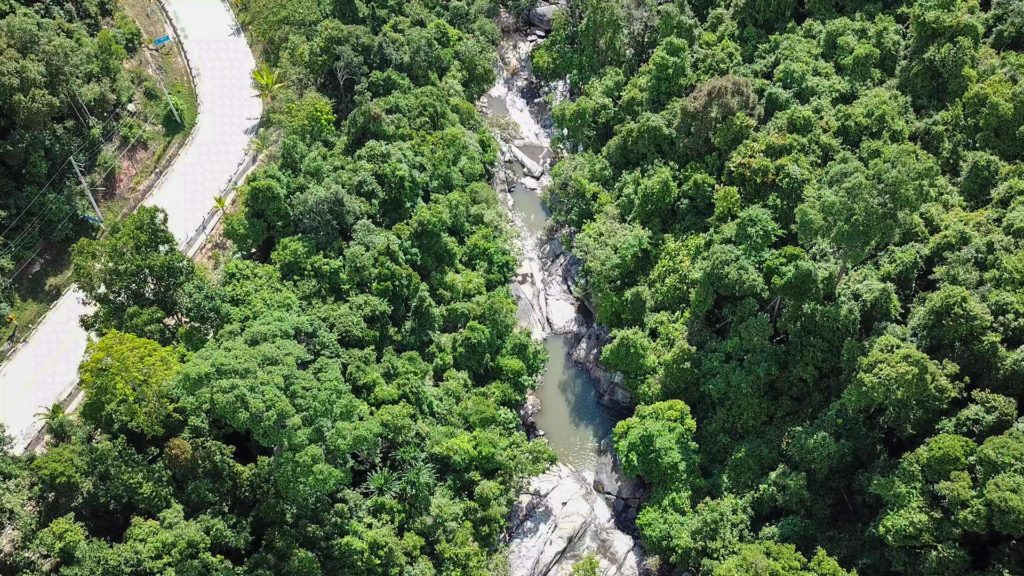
614, 252
697, 537
1006, 21
587, 37
172, 543
578, 183
657, 443
953, 324
907, 390
994, 114
769, 558
632, 353
860, 209
944, 39
945, 494
135, 275
127, 382
61, 65
802, 225
717, 116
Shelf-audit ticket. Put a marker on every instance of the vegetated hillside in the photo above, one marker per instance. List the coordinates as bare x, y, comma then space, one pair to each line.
338, 399
804, 223
78, 85
61, 81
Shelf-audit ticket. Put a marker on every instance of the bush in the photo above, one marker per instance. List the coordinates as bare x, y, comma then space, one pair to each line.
132, 130
108, 166
174, 115
127, 32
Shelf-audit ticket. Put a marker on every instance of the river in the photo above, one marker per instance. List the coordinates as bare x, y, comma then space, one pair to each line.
572, 510
570, 414
571, 418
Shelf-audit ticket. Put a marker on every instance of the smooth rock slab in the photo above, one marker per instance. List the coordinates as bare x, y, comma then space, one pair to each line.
559, 519
542, 15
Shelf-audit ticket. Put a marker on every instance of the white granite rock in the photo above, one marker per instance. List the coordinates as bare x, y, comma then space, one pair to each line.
529, 166
610, 387
558, 520
532, 183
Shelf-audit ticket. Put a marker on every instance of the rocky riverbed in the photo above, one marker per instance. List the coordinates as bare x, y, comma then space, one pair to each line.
582, 505
559, 519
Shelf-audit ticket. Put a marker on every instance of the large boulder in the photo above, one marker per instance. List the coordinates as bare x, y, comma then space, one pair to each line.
528, 414
559, 519
610, 385
542, 15
623, 493
561, 270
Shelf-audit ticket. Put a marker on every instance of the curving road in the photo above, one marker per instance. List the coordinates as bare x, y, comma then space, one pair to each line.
44, 369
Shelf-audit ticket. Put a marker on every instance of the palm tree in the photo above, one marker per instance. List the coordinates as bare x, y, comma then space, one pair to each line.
50, 414
58, 424
418, 484
241, 11
382, 482
221, 204
263, 140
266, 81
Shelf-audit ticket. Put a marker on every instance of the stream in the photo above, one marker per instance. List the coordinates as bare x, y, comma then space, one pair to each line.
581, 505
570, 417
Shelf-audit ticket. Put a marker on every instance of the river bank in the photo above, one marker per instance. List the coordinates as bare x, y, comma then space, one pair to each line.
582, 505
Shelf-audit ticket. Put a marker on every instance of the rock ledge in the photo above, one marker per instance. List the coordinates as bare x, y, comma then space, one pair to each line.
558, 519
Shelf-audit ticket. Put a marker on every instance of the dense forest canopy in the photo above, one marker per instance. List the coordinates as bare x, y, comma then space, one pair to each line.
802, 221
63, 92
340, 398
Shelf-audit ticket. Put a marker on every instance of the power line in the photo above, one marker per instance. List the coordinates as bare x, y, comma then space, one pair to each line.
127, 148
18, 271
19, 241
108, 137
105, 140
36, 197
30, 258
84, 107
22, 267
16, 244
13, 243
89, 114
94, 153
88, 192
77, 113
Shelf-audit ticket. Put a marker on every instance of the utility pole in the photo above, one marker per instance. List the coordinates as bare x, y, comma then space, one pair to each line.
170, 103
88, 192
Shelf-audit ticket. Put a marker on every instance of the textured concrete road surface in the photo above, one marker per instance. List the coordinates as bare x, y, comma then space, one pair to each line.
229, 112
44, 369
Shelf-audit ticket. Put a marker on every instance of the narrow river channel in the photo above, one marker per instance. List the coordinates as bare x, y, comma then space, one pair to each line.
571, 511
571, 418
570, 414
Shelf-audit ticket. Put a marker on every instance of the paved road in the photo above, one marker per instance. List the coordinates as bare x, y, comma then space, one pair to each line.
44, 369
